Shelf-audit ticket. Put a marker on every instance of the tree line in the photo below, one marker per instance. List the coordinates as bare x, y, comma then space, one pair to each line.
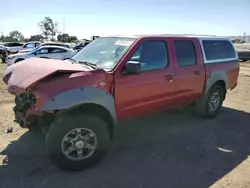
49, 31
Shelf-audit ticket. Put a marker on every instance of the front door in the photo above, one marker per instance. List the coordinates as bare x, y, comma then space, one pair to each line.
42, 53
149, 91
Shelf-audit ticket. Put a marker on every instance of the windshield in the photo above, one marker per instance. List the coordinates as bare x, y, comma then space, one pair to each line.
104, 52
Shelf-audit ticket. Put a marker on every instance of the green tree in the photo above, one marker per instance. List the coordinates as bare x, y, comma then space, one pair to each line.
16, 36
73, 39
36, 38
49, 28
63, 37
66, 38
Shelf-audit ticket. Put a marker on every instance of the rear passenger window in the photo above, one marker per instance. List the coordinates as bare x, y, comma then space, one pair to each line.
185, 53
152, 55
43, 51
57, 50
216, 50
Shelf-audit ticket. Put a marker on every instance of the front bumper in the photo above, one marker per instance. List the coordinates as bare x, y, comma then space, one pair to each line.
24, 106
27, 116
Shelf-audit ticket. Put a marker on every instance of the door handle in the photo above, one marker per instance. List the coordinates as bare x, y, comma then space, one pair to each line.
197, 72
168, 77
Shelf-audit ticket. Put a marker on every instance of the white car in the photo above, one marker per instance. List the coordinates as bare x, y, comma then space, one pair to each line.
49, 52
26, 46
45, 44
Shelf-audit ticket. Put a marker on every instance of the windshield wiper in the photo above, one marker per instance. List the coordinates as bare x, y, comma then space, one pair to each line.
94, 66
72, 60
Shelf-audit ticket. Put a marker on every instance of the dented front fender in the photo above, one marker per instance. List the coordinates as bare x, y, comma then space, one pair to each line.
79, 96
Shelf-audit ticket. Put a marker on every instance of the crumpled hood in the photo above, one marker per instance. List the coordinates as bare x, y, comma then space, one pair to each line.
28, 72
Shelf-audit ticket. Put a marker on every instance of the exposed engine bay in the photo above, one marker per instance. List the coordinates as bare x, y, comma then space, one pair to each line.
24, 104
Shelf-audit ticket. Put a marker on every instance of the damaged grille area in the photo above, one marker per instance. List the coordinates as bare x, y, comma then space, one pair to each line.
23, 102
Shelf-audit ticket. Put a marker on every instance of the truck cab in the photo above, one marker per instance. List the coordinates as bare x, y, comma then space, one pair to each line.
78, 103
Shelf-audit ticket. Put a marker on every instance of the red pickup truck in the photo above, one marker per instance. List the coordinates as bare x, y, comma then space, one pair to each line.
78, 102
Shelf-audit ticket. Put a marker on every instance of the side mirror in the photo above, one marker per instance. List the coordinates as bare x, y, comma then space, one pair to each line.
132, 67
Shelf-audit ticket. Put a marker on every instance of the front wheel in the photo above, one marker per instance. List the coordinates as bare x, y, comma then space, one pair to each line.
77, 142
211, 103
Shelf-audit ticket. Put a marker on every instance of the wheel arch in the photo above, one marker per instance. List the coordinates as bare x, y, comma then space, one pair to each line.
217, 77
96, 109
85, 100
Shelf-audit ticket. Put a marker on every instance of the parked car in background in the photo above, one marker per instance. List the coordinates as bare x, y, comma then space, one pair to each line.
48, 52
81, 45
4, 49
12, 44
27, 45
47, 44
244, 55
113, 79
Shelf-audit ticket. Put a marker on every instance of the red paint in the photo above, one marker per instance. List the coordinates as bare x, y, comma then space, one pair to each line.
148, 92
232, 69
135, 95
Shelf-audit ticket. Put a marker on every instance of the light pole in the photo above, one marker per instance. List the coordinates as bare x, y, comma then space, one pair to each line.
63, 24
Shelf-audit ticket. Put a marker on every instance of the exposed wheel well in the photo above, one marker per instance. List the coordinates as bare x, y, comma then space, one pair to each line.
223, 85
91, 108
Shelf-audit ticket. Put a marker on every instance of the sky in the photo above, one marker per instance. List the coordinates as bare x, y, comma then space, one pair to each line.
85, 18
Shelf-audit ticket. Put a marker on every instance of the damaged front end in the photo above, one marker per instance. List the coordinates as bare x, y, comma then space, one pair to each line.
37, 80
27, 116
23, 102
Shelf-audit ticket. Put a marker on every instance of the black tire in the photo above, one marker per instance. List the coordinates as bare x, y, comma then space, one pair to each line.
202, 106
62, 125
18, 60
35, 130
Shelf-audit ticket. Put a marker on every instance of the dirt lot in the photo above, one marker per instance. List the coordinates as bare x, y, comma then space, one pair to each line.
168, 149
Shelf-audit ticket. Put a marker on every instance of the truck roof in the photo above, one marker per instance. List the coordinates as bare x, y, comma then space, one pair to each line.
172, 35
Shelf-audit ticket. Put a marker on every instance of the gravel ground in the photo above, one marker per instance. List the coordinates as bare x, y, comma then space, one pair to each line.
169, 149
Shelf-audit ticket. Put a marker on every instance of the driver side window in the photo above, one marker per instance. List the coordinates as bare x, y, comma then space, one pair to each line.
152, 55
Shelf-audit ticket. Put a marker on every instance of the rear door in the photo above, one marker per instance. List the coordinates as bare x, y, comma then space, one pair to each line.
57, 53
151, 90
189, 69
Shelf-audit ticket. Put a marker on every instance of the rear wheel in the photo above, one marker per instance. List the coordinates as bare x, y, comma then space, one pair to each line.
210, 104
77, 142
